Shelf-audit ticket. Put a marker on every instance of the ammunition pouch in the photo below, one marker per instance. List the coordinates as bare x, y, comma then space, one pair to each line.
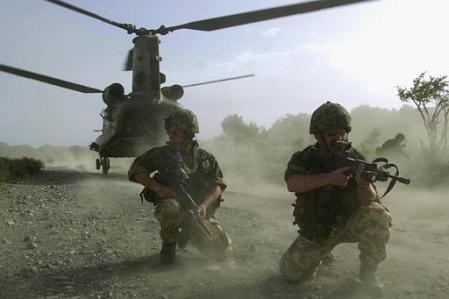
306, 220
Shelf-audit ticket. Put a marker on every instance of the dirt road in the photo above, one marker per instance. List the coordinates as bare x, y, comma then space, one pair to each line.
68, 234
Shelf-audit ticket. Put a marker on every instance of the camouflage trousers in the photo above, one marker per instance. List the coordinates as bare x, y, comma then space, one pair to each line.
172, 219
369, 226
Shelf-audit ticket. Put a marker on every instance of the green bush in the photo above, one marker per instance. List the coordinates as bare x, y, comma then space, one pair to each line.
19, 168
4, 168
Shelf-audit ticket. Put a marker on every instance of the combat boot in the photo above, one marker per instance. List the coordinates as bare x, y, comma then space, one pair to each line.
168, 253
370, 281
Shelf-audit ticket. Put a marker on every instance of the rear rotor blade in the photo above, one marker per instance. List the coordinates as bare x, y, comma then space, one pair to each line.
219, 80
261, 15
128, 65
49, 80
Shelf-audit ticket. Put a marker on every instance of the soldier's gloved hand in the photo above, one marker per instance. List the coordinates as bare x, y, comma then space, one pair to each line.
166, 192
338, 177
202, 210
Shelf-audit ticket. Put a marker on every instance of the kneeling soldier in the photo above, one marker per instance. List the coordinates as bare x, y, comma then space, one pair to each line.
331, 206
203, 182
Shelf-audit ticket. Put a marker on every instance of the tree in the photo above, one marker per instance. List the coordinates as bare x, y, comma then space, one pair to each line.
290, 130
368, 145
237, 130
431, 98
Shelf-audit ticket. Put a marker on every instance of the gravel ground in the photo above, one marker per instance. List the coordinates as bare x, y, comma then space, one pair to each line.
68, 234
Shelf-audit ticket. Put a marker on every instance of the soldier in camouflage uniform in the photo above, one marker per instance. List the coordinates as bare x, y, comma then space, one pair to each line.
205, 185
393, 148
332, 207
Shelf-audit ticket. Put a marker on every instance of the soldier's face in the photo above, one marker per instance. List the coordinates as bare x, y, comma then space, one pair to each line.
177, 137
329, 137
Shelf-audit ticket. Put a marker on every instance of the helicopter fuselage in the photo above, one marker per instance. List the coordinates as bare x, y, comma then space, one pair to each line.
131, 127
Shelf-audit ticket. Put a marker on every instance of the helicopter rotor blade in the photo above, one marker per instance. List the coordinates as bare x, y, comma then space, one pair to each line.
258, 15
219, 80
49, 80
128, 27
224, 21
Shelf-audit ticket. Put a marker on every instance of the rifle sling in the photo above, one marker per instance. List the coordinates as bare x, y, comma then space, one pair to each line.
393, 178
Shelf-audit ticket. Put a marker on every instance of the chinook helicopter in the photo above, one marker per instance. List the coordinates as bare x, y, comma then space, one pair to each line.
133, 122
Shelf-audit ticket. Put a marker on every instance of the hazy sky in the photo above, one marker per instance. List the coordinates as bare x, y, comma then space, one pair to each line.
355, 55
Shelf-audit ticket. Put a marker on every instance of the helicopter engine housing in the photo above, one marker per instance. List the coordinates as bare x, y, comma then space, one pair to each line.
174, 92
113, 93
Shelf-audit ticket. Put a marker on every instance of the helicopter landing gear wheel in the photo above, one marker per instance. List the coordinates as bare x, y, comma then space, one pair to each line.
97, 164
105, 165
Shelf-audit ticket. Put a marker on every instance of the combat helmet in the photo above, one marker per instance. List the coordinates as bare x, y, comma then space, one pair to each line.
184, 120
330, 116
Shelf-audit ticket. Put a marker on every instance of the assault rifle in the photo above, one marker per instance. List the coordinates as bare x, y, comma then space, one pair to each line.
377, 170
373, 172
171, 174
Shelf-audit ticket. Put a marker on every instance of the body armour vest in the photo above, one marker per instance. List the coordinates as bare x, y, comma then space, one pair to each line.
201, 169
318, 211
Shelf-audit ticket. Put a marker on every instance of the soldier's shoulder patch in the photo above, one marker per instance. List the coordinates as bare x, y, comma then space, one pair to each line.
202, 153
206, 160
205, 165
